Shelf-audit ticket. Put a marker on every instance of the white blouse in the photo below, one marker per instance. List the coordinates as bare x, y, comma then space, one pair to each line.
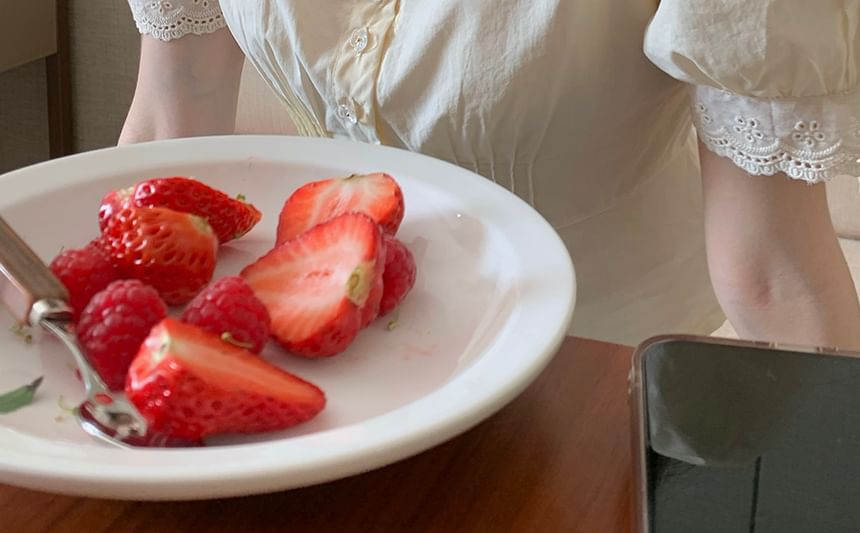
555, 100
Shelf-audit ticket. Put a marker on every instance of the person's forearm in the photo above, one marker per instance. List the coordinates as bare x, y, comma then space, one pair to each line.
187, 87
774, 258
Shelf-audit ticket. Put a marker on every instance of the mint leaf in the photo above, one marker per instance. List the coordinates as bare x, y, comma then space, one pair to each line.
18, 398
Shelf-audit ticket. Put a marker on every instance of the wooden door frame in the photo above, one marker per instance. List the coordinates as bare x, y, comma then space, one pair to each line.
59, 81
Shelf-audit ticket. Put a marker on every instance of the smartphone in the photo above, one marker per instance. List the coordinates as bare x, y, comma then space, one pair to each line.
741, 437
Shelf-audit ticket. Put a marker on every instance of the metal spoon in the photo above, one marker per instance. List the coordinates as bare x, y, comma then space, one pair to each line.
34, 296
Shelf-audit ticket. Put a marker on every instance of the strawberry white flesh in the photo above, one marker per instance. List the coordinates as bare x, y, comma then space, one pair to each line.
376, 195
316, 286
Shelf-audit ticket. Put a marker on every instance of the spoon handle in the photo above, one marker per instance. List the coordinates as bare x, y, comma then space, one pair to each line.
25, 278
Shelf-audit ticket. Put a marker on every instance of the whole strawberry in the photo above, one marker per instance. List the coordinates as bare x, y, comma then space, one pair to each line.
230, 218
188, 384
114, 324
399, 275
228, 308
84, 272
171, 251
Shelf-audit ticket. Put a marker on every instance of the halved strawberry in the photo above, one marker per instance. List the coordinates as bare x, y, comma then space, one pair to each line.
376, 195
189, 384
230, 218
171, 251
112, 203
317, 285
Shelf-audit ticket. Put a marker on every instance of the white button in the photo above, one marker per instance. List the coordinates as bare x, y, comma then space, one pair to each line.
358, 40
346, 112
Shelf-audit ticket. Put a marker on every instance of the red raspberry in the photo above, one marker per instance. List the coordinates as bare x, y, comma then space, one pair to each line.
229, 308
398, 278
84, 272
115, 323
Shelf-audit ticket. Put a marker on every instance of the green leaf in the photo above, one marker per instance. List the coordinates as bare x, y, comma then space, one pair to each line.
18, 398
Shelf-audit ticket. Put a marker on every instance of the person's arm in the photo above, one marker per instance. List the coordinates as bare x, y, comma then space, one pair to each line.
188, 85
774, 258
776, 103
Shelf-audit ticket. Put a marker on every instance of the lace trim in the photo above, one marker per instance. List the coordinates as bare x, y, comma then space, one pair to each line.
171, 19
811, 139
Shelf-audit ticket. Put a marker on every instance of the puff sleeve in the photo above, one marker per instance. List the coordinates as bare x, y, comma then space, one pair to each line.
774, 83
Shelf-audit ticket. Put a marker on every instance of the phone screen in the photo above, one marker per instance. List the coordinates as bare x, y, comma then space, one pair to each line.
751, 440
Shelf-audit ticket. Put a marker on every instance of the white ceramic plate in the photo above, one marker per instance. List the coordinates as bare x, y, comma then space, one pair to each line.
492, 303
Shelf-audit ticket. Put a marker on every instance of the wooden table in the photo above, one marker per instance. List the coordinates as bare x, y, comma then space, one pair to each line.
557, 459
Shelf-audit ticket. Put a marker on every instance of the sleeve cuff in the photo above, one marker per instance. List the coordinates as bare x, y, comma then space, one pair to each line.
169, 20
812, 139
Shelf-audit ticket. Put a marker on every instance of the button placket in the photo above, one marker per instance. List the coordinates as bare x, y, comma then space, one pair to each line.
356, 67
